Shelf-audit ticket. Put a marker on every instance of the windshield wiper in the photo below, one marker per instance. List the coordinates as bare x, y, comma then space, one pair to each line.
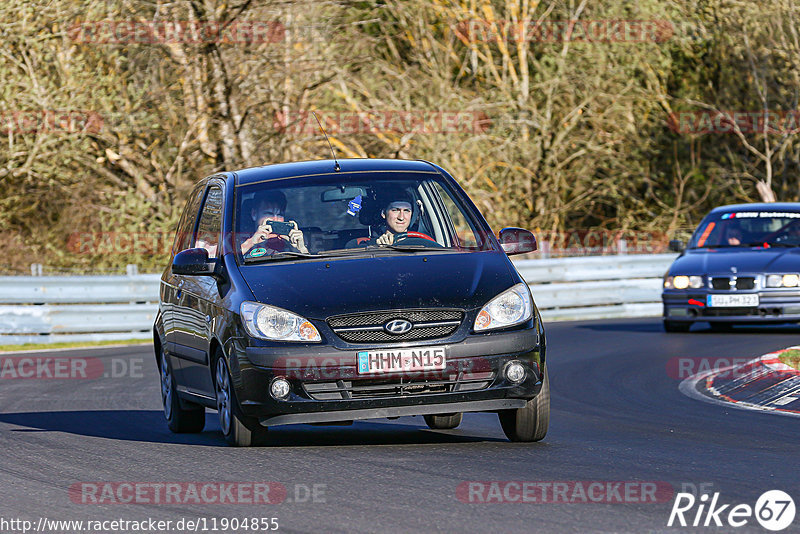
402, 248
772, 244
285, 255
753, 244
414, 248
369, 249
719, 246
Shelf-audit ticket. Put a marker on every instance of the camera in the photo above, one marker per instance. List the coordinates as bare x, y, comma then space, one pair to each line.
281, 228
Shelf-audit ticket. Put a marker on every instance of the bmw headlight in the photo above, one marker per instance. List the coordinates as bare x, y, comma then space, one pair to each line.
790, 280
785, 280
683, 282
268, 322
511, 307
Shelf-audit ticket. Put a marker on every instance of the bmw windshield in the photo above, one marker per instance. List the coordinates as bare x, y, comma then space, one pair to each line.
354, 213
745, 229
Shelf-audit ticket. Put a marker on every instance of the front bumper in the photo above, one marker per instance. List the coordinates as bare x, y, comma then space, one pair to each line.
327, 387
774, 306
394, 411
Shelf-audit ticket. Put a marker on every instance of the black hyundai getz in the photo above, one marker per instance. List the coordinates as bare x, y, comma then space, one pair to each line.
323, 291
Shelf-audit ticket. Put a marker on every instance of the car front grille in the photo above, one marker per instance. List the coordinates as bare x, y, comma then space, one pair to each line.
392, 387
740, 282
745, 282
369, 327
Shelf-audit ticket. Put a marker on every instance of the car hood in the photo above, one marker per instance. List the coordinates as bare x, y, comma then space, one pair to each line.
319, 289
744, 260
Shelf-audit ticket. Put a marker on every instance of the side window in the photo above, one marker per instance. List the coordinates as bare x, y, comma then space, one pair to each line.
208, 229
183, 237
464, 232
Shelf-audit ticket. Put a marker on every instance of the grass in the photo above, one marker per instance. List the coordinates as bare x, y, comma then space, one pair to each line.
71, 344
791, 358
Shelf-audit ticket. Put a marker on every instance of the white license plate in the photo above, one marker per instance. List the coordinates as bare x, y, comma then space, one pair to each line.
732, 301
401, 360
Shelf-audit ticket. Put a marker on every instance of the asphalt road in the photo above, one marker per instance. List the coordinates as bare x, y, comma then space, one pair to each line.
617, 415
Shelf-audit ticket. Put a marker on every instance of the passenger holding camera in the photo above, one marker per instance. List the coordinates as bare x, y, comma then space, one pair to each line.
280, 237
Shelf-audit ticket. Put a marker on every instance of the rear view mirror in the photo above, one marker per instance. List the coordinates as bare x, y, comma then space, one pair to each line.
517, 241
343, 193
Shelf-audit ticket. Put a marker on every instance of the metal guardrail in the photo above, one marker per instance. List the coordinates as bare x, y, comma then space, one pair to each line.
78, 289
46, 309
42, 309
597, 287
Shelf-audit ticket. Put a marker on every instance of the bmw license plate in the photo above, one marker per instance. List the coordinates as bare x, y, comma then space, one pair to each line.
401, 360
732, 301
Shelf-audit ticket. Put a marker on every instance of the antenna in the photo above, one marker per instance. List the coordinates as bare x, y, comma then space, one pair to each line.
336, 166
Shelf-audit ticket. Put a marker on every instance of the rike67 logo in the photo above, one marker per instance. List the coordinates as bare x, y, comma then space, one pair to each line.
774, 510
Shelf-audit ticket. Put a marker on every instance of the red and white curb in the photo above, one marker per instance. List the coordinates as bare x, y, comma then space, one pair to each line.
763, 383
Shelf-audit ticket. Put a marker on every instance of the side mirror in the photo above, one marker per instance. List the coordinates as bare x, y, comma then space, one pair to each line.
193, 261
517, 241
676, 245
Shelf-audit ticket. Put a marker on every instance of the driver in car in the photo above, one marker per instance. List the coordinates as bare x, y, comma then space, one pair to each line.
397, 215
734, 236
271, 208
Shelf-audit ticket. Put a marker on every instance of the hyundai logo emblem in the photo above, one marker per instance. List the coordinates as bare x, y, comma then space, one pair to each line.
398, 326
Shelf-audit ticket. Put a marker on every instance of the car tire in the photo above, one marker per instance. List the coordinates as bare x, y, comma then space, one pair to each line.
238, 429
180, 419
530, 422
677, 326
446, 421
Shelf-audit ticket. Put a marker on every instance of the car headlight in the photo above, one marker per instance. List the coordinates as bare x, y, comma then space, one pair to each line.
683, 282
790, 280
513, 306
785, 280
268, 322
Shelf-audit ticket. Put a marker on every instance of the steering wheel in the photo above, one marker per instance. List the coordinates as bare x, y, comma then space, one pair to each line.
787, 232
415, 238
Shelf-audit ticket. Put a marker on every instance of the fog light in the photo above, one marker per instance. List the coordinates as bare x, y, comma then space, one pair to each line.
515, 372
279, 388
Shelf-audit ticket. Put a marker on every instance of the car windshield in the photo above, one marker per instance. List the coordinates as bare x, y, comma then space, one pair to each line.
748, 229
344, 213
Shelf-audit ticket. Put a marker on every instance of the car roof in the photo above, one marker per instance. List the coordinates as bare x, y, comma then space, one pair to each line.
759, 206
326, 166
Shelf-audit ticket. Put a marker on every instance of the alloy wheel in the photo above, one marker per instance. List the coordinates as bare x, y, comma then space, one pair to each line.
166, 386
223, 386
